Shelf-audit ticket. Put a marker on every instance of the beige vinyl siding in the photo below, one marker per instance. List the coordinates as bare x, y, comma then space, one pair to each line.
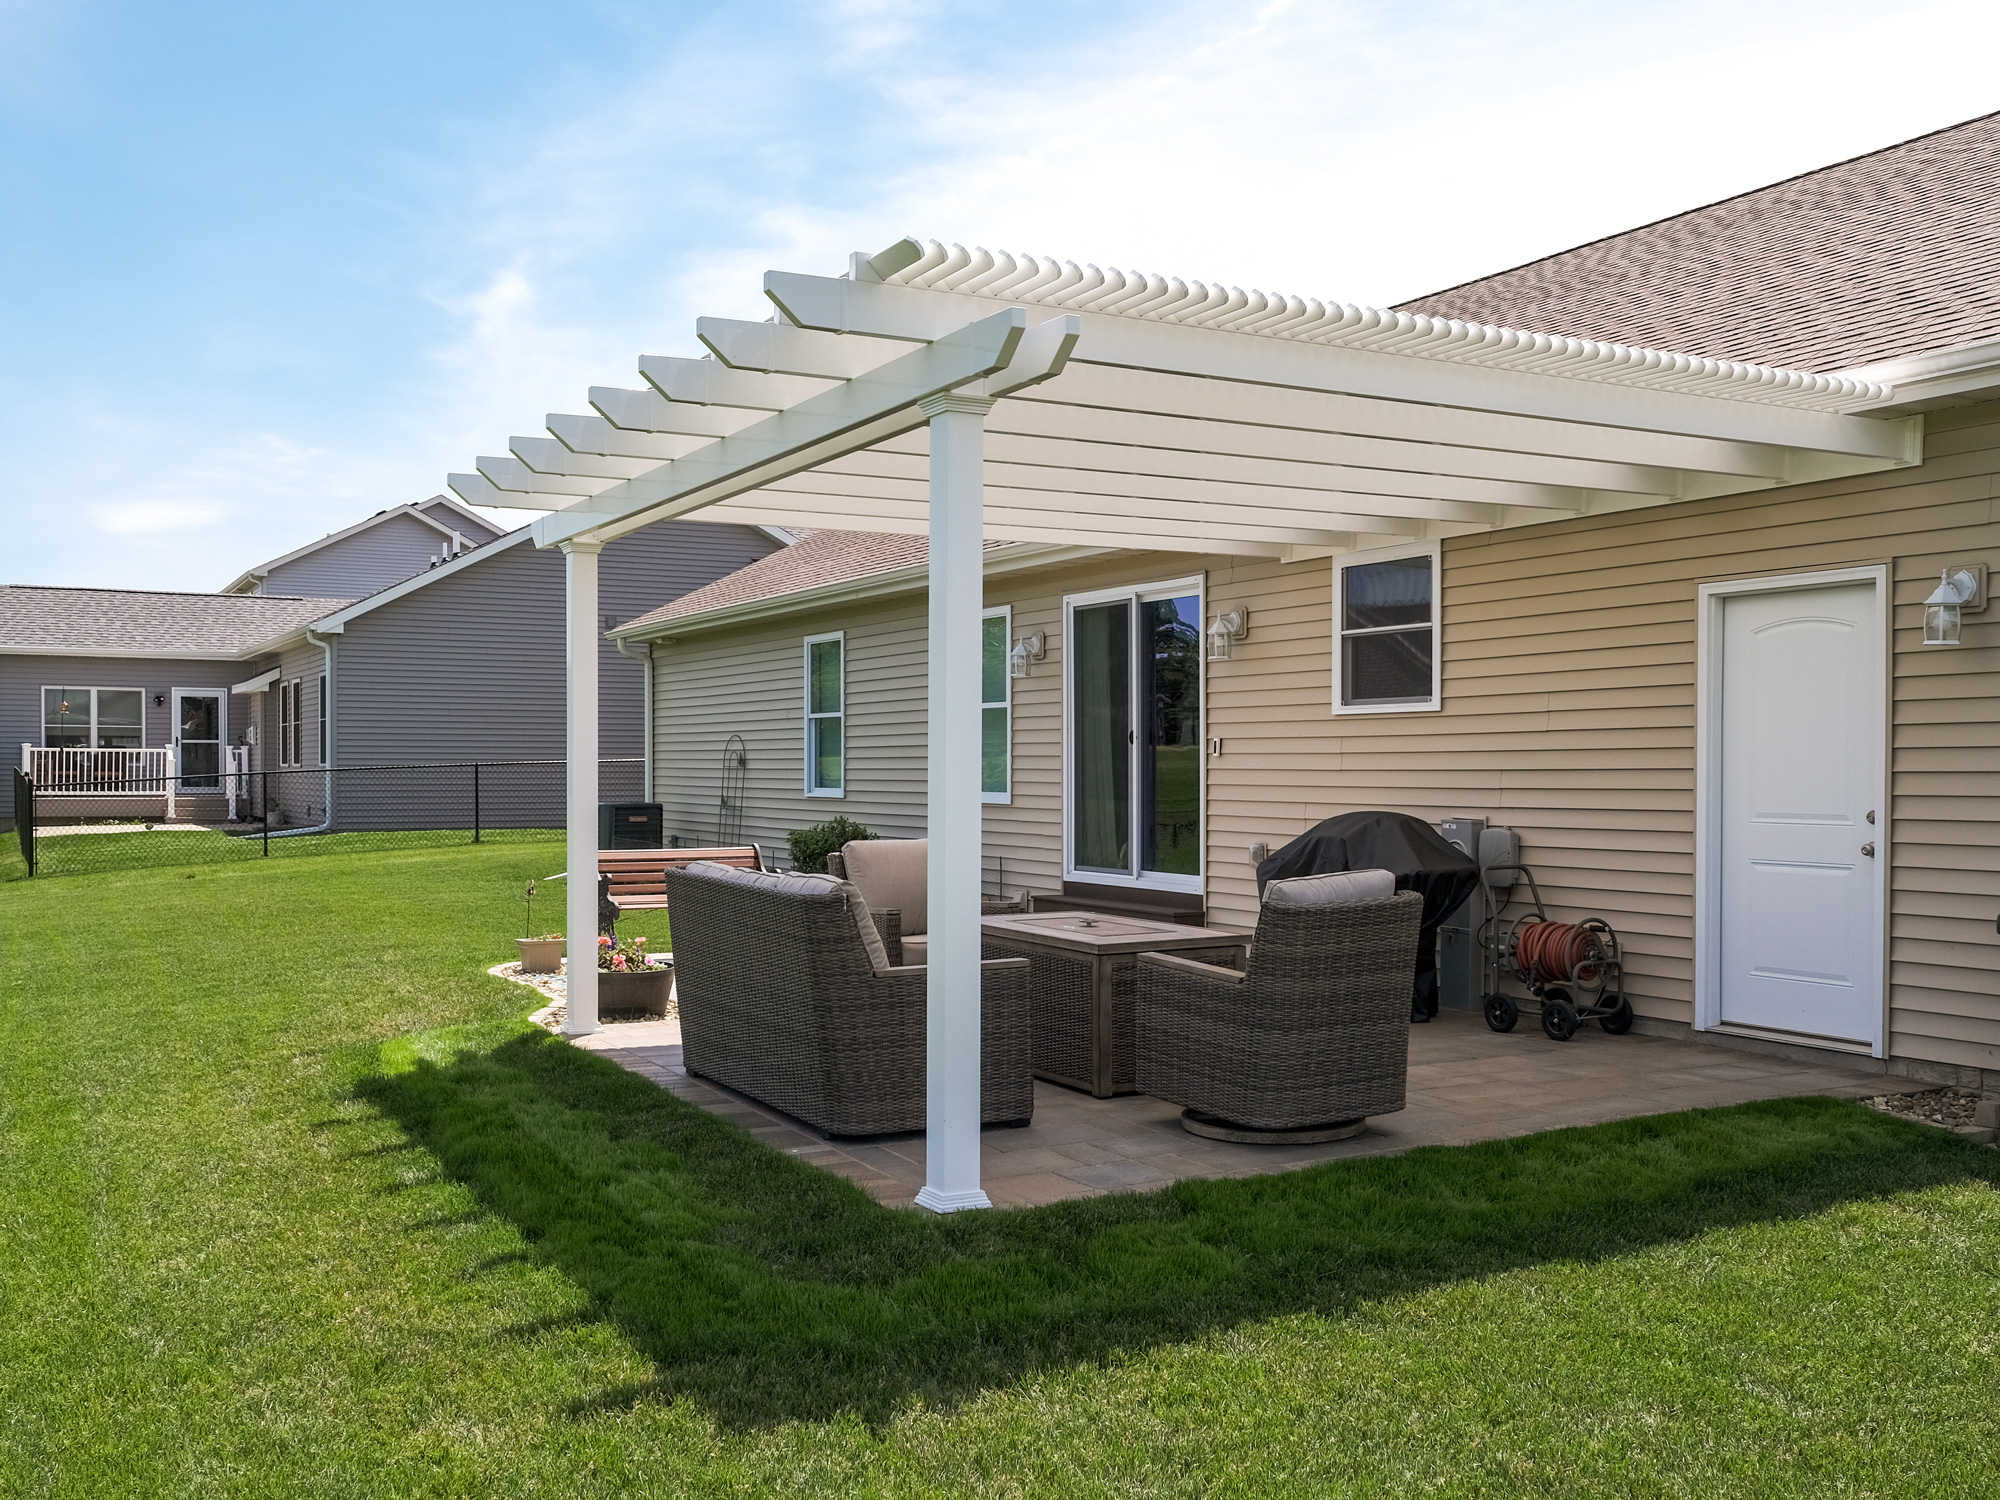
1569, 708
751, 682
1568, 714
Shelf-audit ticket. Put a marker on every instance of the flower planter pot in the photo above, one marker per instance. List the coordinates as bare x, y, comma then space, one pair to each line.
540, 955
646, 991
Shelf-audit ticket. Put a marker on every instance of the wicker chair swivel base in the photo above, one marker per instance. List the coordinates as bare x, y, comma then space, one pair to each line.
783, 999
1305, 1042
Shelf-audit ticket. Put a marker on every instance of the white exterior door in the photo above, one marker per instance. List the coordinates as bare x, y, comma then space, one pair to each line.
1797, 816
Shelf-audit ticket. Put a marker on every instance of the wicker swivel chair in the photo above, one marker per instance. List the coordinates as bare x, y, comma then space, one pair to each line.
787, 995
1306, 1041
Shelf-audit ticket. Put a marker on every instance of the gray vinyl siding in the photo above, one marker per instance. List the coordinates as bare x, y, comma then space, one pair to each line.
478, 533
470, 665
359, 565
1568, 663
298, 793
22, 678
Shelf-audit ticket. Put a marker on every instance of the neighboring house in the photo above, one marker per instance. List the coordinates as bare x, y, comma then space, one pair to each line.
455, 654
137, 690
1731, 690
464, 662
388, 547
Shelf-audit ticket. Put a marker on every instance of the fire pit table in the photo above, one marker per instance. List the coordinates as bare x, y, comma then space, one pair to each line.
1083, 986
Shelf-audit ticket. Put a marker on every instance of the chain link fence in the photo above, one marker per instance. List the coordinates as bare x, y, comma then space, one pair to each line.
78, 828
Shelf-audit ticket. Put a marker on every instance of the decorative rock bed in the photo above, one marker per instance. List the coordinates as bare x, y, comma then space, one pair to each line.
556, 988
1952, 1109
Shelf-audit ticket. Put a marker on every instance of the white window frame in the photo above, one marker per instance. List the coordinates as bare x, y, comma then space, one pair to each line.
806, 744
1435, 552
1005, 796
1144, 880
322, 718
290, 721
42, 708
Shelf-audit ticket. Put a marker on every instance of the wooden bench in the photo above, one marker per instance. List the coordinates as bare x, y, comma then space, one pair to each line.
639, 876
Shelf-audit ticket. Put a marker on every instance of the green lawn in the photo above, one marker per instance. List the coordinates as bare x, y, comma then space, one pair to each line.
293, 1203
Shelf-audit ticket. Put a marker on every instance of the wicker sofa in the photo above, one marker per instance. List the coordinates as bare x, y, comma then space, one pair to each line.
787, 995
1311, 1036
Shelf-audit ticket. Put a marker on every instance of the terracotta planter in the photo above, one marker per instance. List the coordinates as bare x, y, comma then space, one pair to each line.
540, 955
645, 991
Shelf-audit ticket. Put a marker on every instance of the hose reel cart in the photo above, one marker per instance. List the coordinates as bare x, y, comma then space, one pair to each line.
1574, 971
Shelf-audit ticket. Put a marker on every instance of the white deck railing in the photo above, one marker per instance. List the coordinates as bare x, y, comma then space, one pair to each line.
77, 771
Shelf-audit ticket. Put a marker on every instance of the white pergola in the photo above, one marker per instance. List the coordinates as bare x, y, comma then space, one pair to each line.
971, 394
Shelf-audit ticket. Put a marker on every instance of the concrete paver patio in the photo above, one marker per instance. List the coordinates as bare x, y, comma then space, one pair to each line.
1466, 1084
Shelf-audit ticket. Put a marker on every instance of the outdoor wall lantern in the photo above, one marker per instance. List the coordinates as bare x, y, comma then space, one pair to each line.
1225, 632
1028, 650
1961, 591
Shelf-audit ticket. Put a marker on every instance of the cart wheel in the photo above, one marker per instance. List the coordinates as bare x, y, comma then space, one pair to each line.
1620, 1020
1558, 1019
1501, 1012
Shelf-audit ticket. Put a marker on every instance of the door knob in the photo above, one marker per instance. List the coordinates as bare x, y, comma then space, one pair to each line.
1869, 850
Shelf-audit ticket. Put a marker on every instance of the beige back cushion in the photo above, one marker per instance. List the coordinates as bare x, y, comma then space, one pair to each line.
893, 874
806, 885
1348, 888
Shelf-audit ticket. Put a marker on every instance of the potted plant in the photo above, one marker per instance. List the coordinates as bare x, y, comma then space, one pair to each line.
539, 955
629, 980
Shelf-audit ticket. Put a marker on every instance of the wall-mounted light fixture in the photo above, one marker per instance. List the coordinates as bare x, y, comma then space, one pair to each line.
1961, 591
1225, 632
1028, 650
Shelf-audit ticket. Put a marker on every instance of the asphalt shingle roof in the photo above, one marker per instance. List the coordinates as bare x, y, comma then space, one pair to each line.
818, 559
143, 622
1893, 253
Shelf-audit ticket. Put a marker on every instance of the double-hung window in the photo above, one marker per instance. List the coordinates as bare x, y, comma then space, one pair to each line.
93, 718
1134, 737
826, 715
1385, 651
291, 721
996, 708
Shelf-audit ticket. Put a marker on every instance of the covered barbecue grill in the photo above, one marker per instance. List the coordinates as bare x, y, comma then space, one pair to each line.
1410, 849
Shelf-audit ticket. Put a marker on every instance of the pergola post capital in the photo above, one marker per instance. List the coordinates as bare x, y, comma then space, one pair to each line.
955, 401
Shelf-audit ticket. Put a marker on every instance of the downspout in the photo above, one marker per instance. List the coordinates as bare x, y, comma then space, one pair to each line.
644, 657
326, 790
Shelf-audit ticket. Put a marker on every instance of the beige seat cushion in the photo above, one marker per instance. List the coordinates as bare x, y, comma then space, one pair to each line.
893, 874
916, 950
1348, 888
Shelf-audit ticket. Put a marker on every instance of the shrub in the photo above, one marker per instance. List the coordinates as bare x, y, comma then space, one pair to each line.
811, 846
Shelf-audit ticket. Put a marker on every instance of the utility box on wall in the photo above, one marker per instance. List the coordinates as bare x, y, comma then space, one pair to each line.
629, 825
1459, 968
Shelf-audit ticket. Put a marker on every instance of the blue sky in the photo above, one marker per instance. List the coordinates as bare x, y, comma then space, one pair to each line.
270, 268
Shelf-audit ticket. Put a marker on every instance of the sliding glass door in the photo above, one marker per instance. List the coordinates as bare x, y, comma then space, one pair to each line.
1135, 736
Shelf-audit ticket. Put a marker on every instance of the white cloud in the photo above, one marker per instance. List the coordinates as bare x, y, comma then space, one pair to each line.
152, 517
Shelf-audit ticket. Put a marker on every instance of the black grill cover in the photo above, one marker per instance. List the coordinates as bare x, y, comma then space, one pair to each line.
1410, 849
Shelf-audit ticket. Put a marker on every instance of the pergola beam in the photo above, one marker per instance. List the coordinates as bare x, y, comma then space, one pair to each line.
855, 414
781, 349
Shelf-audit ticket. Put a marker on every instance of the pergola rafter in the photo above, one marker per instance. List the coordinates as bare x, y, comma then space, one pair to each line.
970, 395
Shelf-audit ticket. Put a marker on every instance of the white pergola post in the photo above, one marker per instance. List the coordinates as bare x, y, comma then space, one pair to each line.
580, 635
956, 816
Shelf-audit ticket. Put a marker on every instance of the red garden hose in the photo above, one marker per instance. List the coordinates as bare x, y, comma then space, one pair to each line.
1556, 953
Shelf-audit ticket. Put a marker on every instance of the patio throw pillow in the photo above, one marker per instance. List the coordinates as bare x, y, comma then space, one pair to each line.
894, 874
1347, 888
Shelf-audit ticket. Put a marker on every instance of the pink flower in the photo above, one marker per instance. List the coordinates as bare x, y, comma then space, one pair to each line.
604, 942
